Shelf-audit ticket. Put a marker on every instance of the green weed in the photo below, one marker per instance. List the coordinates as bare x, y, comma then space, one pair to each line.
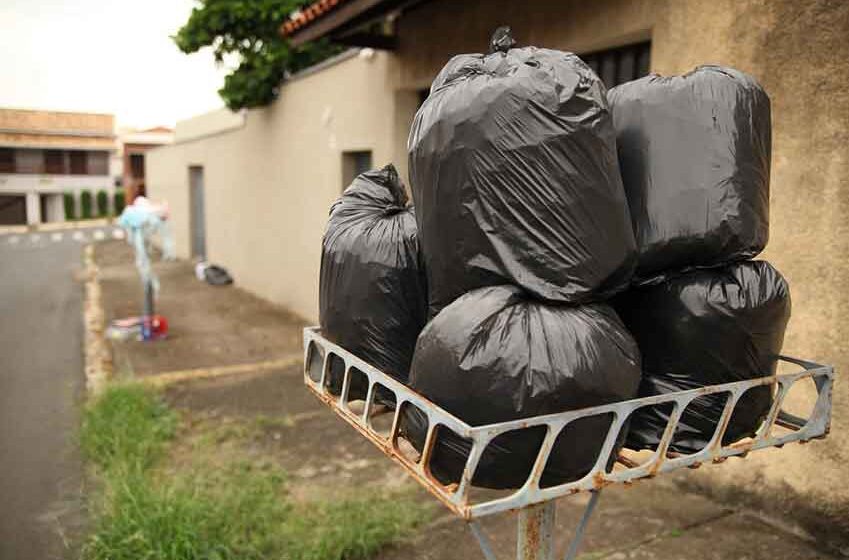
203, 512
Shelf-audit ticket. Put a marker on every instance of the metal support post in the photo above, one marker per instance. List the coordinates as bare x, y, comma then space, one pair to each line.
147, 316
536, 532
572, 552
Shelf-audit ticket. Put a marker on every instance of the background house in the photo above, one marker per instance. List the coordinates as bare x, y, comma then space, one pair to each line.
252, 191
134, 146
46, 153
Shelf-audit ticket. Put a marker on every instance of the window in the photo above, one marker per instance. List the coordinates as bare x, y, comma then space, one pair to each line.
620, 65
29, 161
7, 160
98, 163
354, 163
137, 166
78, 162
54, 162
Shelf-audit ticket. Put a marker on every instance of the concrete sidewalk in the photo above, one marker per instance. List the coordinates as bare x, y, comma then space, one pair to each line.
224, 326
210, 326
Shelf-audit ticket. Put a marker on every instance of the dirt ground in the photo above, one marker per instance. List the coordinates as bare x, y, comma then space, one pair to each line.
268, 416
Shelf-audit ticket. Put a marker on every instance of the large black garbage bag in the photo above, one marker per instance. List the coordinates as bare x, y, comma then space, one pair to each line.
373, 291
495, 355
706, 327
514, 174
694, 151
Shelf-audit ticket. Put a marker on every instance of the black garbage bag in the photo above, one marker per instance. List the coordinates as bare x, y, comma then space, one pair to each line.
373, 291
694, 151
706, 327
496, 355
515, 179
217, 276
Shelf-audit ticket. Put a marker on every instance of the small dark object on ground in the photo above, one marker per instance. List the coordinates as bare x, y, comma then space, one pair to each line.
215, 275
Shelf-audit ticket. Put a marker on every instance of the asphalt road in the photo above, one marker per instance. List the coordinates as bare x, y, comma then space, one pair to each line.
41, 388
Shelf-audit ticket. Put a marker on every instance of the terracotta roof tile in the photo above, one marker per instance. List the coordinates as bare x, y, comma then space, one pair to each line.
309, 14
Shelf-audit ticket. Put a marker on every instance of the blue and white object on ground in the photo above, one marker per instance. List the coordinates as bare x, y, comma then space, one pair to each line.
143, 221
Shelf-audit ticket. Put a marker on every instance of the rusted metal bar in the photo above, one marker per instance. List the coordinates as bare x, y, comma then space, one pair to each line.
536, 532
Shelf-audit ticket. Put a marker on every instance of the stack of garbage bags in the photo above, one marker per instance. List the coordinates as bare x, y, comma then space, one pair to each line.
694, 151
499, 297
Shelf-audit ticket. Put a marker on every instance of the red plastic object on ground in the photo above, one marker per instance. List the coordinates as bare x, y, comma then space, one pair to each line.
154, 327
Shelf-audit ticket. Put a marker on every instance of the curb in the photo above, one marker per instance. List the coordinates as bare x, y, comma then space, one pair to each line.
179, 376
98, 358
55, 226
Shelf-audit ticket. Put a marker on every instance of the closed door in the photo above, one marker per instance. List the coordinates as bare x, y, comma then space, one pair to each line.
198, 217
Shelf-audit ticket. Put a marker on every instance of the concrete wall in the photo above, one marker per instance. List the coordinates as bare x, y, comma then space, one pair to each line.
209, 123
269, 184
798, 50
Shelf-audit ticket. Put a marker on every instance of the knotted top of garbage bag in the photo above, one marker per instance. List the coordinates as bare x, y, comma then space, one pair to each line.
378, 188
502, 40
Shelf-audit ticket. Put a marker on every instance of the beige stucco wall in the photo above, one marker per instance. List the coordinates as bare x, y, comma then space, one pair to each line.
207, 124
799, 52
269, 184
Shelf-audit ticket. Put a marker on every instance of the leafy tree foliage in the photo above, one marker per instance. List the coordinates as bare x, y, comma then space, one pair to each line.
249, 31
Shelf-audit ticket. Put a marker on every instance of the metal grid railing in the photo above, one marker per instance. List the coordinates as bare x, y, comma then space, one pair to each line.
319, 352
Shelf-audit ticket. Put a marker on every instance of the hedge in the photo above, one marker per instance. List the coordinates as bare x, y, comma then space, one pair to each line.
85, 204
102, 203
119, 202
70, 206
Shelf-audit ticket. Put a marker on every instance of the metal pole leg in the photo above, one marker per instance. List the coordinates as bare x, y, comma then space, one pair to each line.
147, 318
582, 525
483, 541
536, 532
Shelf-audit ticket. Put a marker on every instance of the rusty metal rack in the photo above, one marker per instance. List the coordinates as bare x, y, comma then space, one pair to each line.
535, 503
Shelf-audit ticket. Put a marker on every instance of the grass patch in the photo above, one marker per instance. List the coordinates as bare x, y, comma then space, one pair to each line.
354, 528
206, 512
192, 516
126, 428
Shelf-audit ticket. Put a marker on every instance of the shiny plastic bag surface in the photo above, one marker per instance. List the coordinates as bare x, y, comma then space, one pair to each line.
495, 355
706, 327
514, 174
373, 291
694, 151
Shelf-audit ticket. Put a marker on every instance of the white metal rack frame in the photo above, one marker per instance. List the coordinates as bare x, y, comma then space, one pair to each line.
531, 499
